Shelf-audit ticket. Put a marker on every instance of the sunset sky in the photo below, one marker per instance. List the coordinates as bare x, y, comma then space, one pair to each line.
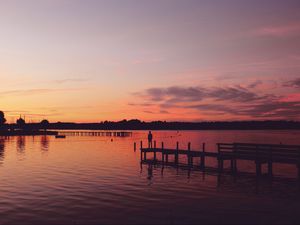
187, 60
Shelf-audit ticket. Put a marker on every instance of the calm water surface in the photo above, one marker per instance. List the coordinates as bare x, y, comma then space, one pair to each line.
99, 180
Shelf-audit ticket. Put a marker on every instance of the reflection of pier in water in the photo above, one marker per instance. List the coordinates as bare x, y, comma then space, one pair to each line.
243, 182
21, 142
44, 143
97, 133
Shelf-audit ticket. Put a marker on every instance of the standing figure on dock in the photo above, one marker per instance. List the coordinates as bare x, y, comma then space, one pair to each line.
150, 137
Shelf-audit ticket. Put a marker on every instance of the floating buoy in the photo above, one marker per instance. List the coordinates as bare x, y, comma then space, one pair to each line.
60, 136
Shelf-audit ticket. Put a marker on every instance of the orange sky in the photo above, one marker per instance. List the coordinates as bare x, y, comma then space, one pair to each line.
194, 60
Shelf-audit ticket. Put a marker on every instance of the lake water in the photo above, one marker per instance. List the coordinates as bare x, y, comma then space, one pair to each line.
99, 180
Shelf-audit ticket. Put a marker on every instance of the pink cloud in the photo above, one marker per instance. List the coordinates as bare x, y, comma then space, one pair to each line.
147, 61
295, 97
240, 102
280, 30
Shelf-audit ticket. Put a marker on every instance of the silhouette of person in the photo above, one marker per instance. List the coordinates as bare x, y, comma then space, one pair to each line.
150, 137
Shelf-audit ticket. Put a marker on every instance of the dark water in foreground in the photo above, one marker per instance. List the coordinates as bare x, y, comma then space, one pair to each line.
96, 180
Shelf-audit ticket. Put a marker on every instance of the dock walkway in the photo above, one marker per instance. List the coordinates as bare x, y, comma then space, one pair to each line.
258, 153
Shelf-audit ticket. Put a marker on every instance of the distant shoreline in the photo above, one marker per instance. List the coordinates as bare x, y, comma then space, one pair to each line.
159, 125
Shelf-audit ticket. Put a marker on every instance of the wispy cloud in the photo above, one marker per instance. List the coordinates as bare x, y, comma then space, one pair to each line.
16, 111
26, 92
177, 94
157, 112
286, 30
37, 91
274, 109
293, 83
71, 80
13, 114
234, 101
255, 84
147, 61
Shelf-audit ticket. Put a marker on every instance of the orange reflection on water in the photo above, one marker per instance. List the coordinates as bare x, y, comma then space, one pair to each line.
101, 179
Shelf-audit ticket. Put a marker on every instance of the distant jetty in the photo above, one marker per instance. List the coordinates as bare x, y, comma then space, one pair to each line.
97, 133
26, 132
60, 134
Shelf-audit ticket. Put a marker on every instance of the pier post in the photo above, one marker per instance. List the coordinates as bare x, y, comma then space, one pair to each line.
221, 165
270, 164
176, 153
189, 154
162, 153
141, 150
258, 168
299, 164
257, 162
232, 165
167, 156
220, 160
299, 171
154, 150
202, 163
235, 170
270, 168
145, 155
134, 146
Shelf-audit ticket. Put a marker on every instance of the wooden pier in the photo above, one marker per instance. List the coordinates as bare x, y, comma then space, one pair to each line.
97, 133
258, 153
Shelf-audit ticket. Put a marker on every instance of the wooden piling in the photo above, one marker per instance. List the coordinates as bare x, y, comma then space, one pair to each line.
220, 165
162, 152
234, 159
298, 171
232, 165
176, 153
202, 161
155, 150
298, 165
258, 168
134, 146
219, 159
189, 153
270, 168
141, 150
270, 164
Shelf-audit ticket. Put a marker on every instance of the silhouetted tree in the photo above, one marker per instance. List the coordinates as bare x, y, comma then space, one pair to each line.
2, 118
45, 124
21, 122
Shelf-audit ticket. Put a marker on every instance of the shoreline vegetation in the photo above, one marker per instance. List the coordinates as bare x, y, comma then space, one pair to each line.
46, 128
155, 125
